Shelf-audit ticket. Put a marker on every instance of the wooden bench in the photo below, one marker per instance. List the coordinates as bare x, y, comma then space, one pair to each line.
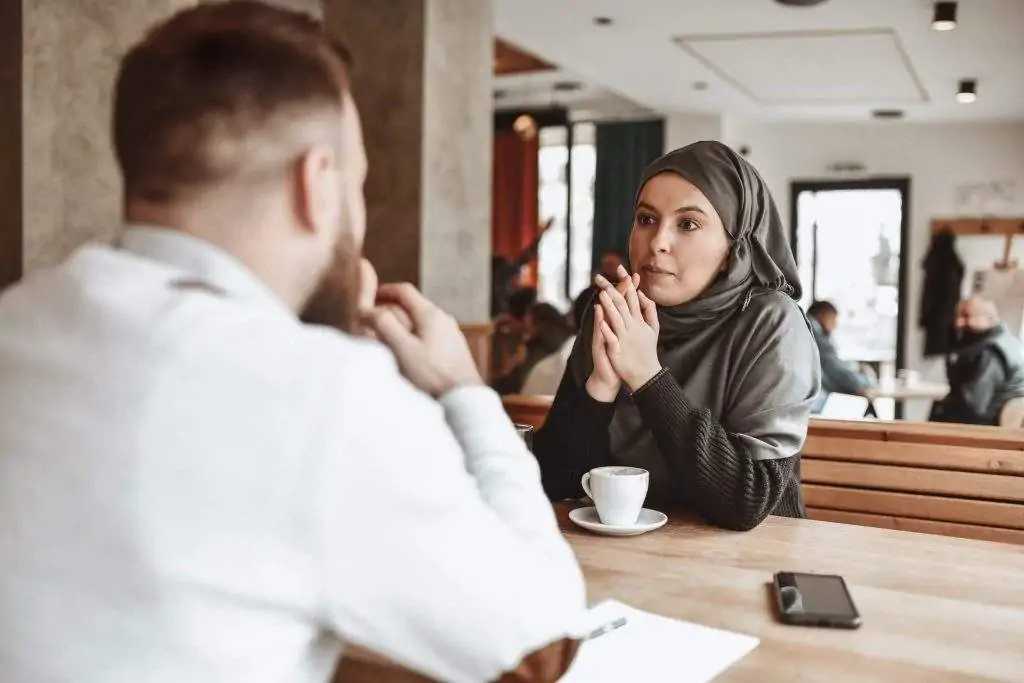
953, 480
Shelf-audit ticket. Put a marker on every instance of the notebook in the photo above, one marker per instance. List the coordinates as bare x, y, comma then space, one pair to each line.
650, 648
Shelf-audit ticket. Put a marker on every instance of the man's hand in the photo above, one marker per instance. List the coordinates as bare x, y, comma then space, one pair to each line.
431, 351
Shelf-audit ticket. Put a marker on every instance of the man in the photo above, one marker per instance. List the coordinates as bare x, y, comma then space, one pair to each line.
609, 268
985, 368
836, 375
195, 486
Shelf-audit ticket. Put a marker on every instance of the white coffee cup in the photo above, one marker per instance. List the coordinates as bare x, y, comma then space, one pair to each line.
618, 492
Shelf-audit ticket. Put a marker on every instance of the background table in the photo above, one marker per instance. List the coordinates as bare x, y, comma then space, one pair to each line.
934, 609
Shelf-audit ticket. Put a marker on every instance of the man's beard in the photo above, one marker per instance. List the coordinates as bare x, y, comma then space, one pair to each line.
334, 302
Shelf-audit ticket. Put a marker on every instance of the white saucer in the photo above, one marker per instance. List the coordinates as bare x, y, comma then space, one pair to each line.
588, 519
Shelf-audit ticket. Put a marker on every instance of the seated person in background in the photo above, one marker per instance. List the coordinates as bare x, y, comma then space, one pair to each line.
700, 367
198, 487
505, 274
544, 378
985, 368
546, 333
611, 261
836, 374
510, 332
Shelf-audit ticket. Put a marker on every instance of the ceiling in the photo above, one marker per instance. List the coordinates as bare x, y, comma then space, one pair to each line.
759, 59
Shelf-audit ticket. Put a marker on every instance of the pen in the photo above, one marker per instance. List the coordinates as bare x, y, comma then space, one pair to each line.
605, 628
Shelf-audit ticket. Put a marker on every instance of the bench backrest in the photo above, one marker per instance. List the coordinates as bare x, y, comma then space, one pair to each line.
953, 480
944, 479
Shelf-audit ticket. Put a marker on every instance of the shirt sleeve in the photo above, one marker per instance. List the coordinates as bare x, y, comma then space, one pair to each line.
440, 549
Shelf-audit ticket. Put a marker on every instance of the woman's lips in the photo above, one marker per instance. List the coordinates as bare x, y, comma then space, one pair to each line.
653, 270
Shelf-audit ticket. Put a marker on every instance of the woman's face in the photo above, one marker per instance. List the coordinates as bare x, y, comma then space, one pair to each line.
678, 243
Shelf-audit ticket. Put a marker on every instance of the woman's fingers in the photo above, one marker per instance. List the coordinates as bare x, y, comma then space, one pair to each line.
615, 299
629, 292
611, 341
598, 319
650, 311
612, 316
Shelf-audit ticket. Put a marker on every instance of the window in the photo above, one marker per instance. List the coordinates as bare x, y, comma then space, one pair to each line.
564, 248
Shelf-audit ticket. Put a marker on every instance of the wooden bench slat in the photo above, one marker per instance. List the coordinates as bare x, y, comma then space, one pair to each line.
971, 436
927, 526
917, 506
944, 457
914, 480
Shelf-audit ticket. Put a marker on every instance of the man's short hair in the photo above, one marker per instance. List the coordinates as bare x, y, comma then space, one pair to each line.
819, 308
216, 94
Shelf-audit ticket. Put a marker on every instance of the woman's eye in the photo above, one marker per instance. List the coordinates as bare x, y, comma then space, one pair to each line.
644, 219
688, 225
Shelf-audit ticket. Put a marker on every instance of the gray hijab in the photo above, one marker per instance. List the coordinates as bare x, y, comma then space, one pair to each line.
760, 261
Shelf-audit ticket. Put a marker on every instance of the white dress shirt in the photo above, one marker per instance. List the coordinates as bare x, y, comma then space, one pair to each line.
195, 487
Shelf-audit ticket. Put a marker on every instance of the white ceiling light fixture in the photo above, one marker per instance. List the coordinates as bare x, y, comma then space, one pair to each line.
944, 16
968, 91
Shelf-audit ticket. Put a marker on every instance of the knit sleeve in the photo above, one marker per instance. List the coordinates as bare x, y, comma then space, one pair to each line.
717, 478
573, 440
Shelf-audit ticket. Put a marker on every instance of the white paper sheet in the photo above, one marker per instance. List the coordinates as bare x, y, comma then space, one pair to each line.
651, 648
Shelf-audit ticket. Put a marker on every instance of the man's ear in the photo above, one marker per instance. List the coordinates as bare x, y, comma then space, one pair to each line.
318, 189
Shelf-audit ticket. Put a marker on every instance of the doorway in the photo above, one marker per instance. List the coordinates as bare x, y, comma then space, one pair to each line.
849, 238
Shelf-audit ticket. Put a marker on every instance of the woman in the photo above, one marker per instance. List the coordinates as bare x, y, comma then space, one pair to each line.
700, 367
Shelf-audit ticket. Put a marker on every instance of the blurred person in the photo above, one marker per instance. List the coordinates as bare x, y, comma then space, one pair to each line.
699, 366
544, 378
546, 332
196, 486
506, 274
836, 374
985, 368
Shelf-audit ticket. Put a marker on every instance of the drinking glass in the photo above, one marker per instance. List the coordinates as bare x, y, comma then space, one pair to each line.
525, 433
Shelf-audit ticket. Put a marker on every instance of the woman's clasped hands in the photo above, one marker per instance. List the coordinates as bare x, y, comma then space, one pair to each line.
625, 341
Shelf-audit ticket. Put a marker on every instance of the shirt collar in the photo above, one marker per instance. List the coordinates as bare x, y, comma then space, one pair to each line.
207, 263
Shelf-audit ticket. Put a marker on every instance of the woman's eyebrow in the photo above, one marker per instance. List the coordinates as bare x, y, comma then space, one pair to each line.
682, 209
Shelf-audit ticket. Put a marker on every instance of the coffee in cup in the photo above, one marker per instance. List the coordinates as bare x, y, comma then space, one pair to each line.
618, 492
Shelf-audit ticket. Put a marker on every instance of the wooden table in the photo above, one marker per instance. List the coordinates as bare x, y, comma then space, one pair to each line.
934, 609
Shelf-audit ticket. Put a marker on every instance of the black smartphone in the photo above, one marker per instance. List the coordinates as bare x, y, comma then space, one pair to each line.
815, 600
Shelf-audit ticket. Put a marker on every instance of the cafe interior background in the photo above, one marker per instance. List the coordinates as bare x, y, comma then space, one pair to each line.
875, 123
872, 128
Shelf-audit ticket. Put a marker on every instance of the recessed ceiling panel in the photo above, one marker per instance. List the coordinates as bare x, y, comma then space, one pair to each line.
828, 67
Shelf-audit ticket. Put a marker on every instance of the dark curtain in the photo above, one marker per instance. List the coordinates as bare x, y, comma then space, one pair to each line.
515, 200
623, 151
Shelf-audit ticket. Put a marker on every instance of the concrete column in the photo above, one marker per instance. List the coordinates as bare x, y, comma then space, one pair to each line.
422, 79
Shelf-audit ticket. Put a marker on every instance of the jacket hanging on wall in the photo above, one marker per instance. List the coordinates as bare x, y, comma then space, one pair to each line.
943, 276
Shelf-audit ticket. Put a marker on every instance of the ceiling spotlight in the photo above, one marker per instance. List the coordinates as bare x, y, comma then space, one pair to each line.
968, 91
566, 86
887, 114
603, 21
944, 18
800, 3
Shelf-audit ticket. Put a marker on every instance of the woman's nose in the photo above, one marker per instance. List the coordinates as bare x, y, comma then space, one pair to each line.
661, 243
